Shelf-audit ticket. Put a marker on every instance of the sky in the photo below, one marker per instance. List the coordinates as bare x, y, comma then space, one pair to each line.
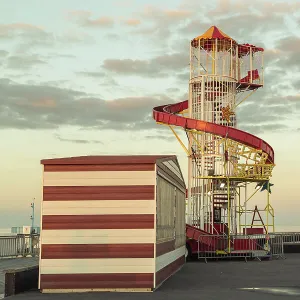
82, 77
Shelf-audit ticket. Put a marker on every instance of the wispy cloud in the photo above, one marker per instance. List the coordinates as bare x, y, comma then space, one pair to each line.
84, 18
77, 141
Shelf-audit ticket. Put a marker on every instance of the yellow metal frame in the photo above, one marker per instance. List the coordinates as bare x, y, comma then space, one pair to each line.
254, 169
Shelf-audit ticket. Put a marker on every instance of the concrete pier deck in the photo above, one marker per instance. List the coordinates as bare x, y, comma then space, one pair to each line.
276, 279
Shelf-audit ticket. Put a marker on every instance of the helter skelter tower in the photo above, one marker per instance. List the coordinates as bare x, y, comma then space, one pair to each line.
223, 74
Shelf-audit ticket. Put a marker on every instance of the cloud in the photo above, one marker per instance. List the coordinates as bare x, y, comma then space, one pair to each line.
28, 36
47, 107
132, 22
264, 112
159, 24
160, 66
258, 129
8, 31
3, 53
77, 141
168, 138
23, 62
83, 18
91, 74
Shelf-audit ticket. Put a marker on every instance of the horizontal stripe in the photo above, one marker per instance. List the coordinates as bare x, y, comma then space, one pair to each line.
165, 259
163, 248
169, 270
117, 167
107, 160
103, 207
98, 222
98, 236
94, 281
59, 193
99, 178
97, 251
86, 290
97, 265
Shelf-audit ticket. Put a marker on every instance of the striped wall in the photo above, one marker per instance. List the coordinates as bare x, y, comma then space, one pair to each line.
98, 227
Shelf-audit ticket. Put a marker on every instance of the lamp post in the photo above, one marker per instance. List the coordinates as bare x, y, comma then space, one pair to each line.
32, 215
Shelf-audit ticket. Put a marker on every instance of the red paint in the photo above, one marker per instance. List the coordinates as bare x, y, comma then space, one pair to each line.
70, 193
56, 222
165, 114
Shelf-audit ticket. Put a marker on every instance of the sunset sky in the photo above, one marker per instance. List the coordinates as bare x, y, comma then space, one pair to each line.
82, 77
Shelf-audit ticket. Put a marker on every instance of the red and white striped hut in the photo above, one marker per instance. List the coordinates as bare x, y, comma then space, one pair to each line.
111, 223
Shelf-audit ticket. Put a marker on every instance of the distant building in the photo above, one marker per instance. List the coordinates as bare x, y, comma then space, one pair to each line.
25, 230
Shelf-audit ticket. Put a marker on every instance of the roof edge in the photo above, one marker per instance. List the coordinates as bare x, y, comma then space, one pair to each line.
106, 159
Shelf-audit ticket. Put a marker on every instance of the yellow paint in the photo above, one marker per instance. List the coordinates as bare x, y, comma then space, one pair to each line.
180, 141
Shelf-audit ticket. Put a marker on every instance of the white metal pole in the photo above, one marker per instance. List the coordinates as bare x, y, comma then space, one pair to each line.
245, 225
251, 65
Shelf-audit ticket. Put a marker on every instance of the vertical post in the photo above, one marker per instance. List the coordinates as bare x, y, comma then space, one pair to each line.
190, 162
268, 206
216, 57
191, 65
246, 207
202, 196
231, 60
251, 65
229, 212
240, 228
262, 68
199, 62
237, 64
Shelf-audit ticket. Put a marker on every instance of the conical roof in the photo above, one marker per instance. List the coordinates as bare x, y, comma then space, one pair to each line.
214, 33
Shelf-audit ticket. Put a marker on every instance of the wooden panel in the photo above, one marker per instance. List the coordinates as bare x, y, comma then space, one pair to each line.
94, 281
101, 207
97, 251
97, 265
118, 167
99, 178
99, 236
106, 160
169, 270
98, 222
165, 247
166, 259
71, 193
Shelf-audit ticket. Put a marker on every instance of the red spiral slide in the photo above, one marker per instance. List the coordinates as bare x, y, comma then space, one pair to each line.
167, 114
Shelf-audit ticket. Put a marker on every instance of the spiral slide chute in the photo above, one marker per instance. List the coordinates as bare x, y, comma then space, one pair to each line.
166, 114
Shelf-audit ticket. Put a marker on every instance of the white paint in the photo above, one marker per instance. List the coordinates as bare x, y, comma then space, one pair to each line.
99, 236
101, 265
99, 207
99, 178
167, 258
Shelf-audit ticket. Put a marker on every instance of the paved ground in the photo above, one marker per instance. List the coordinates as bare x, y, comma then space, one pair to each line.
11, 263
278, 279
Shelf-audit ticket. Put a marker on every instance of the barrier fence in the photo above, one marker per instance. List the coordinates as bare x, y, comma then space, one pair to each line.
290, 237
257, 246
19, 245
